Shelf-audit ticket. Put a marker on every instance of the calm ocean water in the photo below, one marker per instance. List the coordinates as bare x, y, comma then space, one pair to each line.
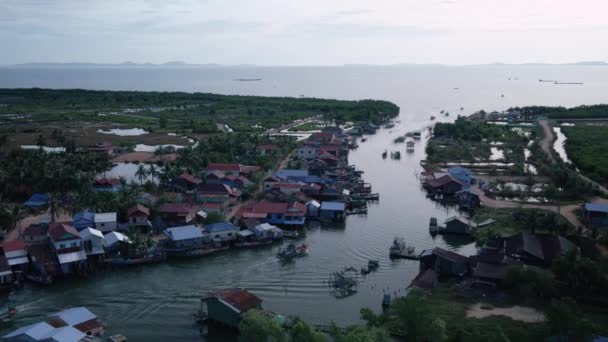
154, 303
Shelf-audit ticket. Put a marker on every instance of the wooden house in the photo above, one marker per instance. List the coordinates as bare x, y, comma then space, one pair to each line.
175, 214
596, 214
93, 242
445, 184
138, 216
458, 225
16, 253
227, 306
184, 238
186, 182
36, 234
332, 210
113, 240
105, 222
223, 232
468, 199
443, 262
68, 246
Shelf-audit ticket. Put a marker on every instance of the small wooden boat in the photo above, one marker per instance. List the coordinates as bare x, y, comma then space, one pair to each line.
373, 264
363, 140
395, 155
417, 135
384, 154
433, 117
433, 228
148, 259
291, 251
357, 211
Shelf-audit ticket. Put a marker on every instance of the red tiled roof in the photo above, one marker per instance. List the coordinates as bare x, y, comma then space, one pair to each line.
297, 208
223, 167
107, 181
287, 185
58, 231
329, 148
215, 189
190, 178
239, 299
175, 208
138, 209
11, 246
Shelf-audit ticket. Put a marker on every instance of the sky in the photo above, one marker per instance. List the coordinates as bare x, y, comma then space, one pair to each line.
304, 32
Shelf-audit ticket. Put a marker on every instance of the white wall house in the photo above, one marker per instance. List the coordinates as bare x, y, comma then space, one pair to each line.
105, 222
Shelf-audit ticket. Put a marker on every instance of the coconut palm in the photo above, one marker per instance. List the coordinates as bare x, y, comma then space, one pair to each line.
141, 173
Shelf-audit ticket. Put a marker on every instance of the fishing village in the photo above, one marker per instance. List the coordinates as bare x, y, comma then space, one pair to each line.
533, 223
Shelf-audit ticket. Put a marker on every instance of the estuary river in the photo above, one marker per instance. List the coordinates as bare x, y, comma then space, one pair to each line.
155, 303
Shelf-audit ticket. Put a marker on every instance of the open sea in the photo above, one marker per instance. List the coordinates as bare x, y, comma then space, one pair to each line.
155, 302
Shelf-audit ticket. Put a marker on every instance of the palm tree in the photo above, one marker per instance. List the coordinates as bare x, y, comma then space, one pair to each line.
141, 173
153, 171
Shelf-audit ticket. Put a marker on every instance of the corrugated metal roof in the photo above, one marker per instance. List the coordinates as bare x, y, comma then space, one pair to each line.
36, 331
67, 258
220, 227
245, 233
333, 206
75, 316
596, 207
184, 233
65, 334
88, 232
105, 217
113, 237
17, 261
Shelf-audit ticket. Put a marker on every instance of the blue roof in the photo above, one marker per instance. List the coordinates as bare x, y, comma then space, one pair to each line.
596, 207
87, 215
459, 170
288, 173
314, 179
220, 227
334, 206
38, 199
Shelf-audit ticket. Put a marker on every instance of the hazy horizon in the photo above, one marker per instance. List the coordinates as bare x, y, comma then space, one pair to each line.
311, 33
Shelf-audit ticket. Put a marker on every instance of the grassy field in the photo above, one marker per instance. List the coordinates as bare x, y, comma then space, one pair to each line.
452, 309
515, 220
587, 147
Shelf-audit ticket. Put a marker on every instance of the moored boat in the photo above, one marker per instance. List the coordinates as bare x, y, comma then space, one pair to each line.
433, 228
400, 249
291, 234
292, 251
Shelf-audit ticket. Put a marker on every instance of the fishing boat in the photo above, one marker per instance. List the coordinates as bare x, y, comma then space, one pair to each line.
432, 117
363, 140
417, 135
357, 211
389, 125
433, 228
373, 264
568, 83
549, 81
147, 259
396, 155
400, 249
291, 234
384, 154
291, 251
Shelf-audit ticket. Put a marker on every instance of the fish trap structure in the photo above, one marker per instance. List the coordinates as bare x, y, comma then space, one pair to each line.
344, 283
